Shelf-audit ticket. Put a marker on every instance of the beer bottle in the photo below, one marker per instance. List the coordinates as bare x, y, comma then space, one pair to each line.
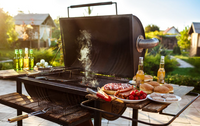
31, 60
140, 73
26, 60
16, 60
20, 60
161, 71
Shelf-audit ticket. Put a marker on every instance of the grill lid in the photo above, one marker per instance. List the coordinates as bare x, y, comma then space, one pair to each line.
111, 41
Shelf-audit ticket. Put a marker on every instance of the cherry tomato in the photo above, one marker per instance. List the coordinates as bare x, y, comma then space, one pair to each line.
141, 97
132, 93
144, 95
137, 93
131, 97
141, 92
136, 98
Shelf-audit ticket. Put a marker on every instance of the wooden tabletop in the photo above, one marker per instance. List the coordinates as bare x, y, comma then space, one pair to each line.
148, 105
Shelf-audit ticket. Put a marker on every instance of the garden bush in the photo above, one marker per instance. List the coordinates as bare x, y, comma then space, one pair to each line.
6, 66
159, 49
195, 61
46, 54
177, 50
152, 63
184, 80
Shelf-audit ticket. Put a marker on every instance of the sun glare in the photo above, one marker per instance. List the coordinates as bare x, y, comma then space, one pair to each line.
12, 9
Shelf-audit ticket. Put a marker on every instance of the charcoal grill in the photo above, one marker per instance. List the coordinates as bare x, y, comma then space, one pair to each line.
114, 43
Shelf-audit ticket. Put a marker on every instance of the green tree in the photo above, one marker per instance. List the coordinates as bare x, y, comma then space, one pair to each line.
183, 40
151, 28
7, 29
56, 30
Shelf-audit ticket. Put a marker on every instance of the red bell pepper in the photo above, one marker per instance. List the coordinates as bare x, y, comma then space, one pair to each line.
100, 94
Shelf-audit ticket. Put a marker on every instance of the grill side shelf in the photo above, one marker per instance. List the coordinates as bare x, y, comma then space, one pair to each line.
27, 104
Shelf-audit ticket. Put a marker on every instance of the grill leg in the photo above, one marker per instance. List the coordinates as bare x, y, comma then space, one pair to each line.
135, 116
19, 90
19, 112
97, 115
19, 87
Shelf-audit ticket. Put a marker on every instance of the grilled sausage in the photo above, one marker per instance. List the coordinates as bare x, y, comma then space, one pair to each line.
126, 89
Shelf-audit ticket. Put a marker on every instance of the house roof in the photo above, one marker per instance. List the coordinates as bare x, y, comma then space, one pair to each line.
37, 19
167, 30
195, 28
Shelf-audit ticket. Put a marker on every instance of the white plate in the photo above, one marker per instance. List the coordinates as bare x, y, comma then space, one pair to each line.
132, 82
168, 102
130, 101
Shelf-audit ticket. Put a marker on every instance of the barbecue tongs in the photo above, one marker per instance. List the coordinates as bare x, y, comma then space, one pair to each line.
20, 117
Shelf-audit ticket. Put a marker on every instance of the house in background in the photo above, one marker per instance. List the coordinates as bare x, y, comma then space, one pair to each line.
194, 33
169, 40
41, 31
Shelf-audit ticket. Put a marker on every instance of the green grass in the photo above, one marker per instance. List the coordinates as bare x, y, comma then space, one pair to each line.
193, 72
185, 58
3, 58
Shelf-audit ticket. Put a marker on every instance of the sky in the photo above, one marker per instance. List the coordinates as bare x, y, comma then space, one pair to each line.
163, 13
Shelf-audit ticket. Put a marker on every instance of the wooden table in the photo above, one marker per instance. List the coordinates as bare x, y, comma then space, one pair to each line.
147, 105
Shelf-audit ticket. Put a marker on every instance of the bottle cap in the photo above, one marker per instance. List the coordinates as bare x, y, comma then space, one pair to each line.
16, 51
26, 50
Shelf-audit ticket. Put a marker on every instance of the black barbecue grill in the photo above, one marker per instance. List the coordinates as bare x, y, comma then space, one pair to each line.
111, 46
115, 44
97, 50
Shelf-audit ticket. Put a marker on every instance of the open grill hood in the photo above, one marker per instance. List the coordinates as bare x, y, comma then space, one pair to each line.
113, 40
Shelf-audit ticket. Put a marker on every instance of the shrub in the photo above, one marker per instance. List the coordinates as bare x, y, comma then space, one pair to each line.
177, 50
5, 66
151, 64
184, 80
46, 54
159, 49
195, 61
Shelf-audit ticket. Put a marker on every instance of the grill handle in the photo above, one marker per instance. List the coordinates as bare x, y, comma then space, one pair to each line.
92, 4
145, 43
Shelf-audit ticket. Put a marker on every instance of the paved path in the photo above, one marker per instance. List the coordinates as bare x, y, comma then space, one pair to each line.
190, 117
182, 63
5, 61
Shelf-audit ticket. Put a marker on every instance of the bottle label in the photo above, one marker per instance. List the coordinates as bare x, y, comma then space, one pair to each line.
20, 51
21, 63
31, 64
26, 63
16, 64
161, 78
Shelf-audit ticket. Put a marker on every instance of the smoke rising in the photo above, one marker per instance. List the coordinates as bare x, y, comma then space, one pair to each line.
85, 49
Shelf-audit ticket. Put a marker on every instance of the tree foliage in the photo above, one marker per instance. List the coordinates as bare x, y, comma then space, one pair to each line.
151, 28
56, 30
7, 29
183, 40
155, 34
